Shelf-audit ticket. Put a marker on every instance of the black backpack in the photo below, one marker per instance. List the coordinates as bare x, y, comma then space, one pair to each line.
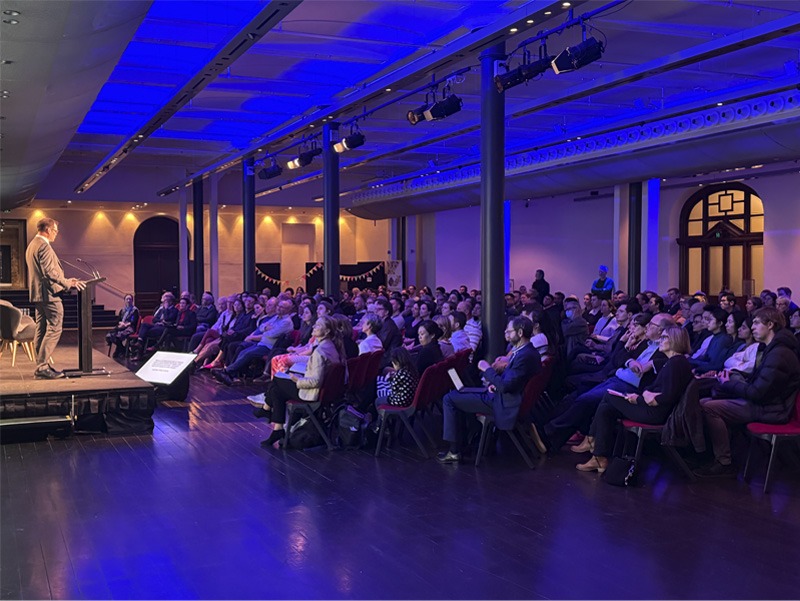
304, 435
351, 427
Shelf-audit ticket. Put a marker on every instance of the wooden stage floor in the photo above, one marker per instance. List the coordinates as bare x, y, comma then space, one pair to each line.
19, 380
198, 510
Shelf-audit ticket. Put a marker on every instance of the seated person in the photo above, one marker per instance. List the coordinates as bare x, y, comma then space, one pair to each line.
389, 334
635, 375
444, 340
241, 327
328, 351
224, 318
128, 322
185, 325
403, 380
712, 354
767, 395
422, 310
599, 350
258, 344
573, 327
370, 326
652, 406
207, 313
743, 352
458, 336
165, 315
428, 351
345, 329
503, 395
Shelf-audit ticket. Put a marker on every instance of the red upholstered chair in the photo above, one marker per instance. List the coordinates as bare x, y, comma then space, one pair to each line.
774, 434
332, 391
374, 366
425, 388
530, 396
642, 431
147, 319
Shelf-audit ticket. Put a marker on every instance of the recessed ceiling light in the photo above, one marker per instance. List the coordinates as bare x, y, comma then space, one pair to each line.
388, 90
513, 30
529, 21
69, 202
719, 104
548, 12
312, 125
566, 4
11, 21
11, 13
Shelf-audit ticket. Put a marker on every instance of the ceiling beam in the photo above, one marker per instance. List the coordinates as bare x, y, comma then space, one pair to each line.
267, 18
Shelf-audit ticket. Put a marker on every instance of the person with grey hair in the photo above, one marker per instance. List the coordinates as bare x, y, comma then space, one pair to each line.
370, 325
45, 281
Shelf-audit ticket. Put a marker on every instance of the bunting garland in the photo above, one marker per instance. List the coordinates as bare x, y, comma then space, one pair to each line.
316, 268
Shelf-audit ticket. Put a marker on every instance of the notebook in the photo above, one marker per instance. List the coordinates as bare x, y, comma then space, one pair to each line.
460, 385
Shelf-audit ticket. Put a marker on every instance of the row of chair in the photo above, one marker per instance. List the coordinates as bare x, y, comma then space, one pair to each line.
16, 331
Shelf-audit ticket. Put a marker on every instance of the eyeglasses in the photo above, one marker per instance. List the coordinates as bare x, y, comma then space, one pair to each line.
664, 337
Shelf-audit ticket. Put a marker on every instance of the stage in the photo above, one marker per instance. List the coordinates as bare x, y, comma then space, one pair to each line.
117, 403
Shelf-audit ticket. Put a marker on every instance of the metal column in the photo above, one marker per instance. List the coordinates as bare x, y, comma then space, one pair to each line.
249, 224
492, 193
197, 238
330, 211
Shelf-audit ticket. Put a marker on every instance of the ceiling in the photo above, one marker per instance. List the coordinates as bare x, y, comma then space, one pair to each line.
136, 98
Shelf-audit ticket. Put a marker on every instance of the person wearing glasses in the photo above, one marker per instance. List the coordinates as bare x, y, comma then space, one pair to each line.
630, 378
503, 395
45, 281
652, 406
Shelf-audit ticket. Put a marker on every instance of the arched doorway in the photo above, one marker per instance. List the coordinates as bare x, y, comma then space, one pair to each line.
156, 263
722, 240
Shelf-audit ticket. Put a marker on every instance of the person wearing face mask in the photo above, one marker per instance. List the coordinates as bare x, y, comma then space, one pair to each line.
574, 327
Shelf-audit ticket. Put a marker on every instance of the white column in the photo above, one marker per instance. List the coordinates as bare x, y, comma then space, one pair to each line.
620, 265
213, 235
651, 204
183, 239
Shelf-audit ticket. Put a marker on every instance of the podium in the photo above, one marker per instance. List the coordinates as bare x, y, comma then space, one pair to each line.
85, 368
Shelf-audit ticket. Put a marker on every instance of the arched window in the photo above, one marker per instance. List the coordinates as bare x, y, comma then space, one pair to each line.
722, 240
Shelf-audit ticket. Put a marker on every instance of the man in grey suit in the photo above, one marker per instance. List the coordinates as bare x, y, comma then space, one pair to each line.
45, 280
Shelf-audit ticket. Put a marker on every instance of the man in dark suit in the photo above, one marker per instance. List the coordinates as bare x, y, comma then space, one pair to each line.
502, 397
45, 280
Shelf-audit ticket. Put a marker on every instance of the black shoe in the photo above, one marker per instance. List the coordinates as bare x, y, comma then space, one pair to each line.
261, 412
273, 438
448, 457
715, 470
48, 373
220, 375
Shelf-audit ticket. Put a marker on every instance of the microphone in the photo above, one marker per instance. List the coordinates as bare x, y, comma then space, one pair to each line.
95, 273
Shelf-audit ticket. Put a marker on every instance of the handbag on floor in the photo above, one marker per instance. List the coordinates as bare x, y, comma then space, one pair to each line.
621, 471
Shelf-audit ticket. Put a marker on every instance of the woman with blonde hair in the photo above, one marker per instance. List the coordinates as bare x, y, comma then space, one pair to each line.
328, 351
652, 406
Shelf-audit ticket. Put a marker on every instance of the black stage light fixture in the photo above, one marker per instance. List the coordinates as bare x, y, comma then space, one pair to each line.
304, 158
575, 57
414, 116
521, 74
444, 108
354, 140
273, 170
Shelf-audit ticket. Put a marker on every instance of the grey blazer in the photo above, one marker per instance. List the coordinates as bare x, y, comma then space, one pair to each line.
45, 276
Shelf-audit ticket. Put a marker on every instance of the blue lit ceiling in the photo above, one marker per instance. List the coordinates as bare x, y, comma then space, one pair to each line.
323, 57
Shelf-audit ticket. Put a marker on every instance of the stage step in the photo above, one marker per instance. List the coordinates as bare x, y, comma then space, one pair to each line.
101, 317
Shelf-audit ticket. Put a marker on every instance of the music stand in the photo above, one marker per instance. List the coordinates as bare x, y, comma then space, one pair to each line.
85, 333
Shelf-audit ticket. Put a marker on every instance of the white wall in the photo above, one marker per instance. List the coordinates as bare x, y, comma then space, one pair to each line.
458, 249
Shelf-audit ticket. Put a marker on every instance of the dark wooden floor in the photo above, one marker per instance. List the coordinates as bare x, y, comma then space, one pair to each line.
199, 510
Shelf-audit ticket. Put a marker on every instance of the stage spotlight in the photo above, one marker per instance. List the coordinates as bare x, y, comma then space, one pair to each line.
354, 140
304, 158
521, 74
414, 116
273, 170
443, 108
578, 56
